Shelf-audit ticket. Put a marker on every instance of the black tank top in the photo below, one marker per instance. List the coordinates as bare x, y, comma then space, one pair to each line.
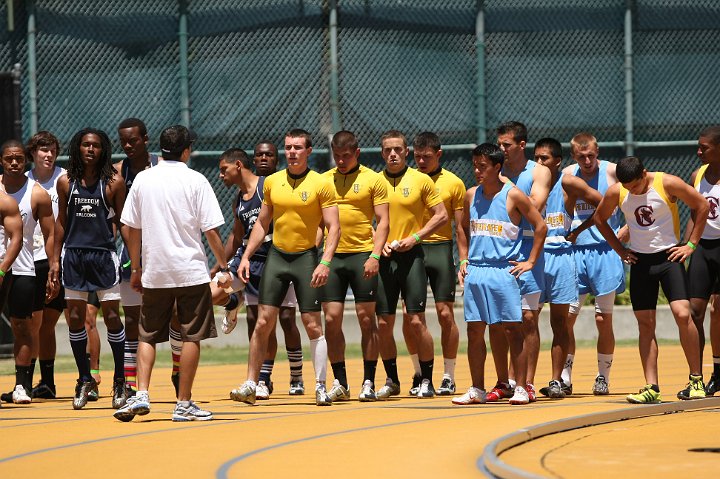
247, 213
88, 224
129, 175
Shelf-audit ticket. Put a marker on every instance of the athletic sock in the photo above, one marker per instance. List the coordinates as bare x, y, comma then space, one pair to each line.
116, 339
716, 366
131, 363
47, 371
655, 388
449, 368
22, 377
604, 365
340, 373
176, 349
369, 368
567, 369
391, 369
78, 343
416, 364
232, 302
295, 358
266, 370
426, 368
318, 353
31, 373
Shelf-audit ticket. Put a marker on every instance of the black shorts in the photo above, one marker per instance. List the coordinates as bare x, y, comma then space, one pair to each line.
257, 266
402, 273
704, 269
42, 269
648, 273
281, 269
347, 269
440, 269
89, 269
15, 292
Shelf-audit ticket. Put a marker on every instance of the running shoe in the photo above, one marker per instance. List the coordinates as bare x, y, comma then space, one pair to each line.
20, 396
520, 397
447, 387
321, 396
367, 393
500, 391
244, 393
712, 386
427, 390
82, 392
338, 392
137, 405
389, 389
472, 396
230, 320
297, 388
119, 393
695, 389
262, 391
415, 389
554, 390
600, 388
94, 393
191, 412
44, 391
646, 395
532, 395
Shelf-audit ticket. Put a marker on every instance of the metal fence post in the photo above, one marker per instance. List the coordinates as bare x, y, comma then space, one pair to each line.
629, 125
334, 77
183, 73
480, 94
32, 68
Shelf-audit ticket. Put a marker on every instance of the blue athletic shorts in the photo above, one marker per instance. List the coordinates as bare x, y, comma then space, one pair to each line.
600, 270
89, 269
491, 295
561, 286
534, 280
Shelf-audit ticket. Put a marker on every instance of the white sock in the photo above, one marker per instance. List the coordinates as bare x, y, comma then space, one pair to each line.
604, 365
416, 364
449, 364
318, 352
567, 369
512, 383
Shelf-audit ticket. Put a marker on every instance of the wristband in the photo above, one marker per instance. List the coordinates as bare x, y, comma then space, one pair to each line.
2, 273
462, 262
325, 263
417, 237
375, 256
136, 270
691, 245
94, 371
126, 265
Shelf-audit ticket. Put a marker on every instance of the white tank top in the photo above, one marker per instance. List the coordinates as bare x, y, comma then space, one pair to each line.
652, 218
24, 265
51, 187
712, 195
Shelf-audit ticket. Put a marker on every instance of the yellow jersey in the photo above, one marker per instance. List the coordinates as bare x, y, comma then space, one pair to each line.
410, 193
451, 190
297, 208
357, 193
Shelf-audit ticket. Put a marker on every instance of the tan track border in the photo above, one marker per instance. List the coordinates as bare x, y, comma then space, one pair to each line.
498, 468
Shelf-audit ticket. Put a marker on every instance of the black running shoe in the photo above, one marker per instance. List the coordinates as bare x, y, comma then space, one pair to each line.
6, 397
119, 393
44, 391
415, 389
82, 392
712, 386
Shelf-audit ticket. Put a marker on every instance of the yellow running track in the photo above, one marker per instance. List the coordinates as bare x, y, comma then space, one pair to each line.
405, 437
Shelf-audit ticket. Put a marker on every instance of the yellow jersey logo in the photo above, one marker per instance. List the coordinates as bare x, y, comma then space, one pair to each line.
406, 192
356, 187
304, 196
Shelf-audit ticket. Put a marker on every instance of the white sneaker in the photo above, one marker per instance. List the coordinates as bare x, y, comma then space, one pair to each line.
262, 391
245, 393
426, 390
230, 320
321, 395
520, 396
20, 396
472, 396
367, 394
338, 392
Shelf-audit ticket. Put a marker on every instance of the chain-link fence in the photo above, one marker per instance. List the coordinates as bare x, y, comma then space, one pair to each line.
240, 72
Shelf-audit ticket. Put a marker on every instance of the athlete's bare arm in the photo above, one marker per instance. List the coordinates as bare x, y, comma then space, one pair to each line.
576, 188
540, 190
331, 220
606, 207
13, 225
697, 203
63, 191
382, 220
257, 236
518, 204
465, 225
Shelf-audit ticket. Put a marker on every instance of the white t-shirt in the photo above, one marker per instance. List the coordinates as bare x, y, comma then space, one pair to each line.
173, 205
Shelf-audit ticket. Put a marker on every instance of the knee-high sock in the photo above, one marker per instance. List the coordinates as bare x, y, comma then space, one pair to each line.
318, 352
116, 339
131, 363
176, 347
78, 343
295, 358
266, 371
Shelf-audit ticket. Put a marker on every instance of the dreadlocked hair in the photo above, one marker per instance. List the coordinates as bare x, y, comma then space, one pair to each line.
76, 167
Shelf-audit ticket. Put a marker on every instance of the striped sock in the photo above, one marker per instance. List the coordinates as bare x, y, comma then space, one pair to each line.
266, 370
78, 343
295, 358
176, 347
131, 363
117, 345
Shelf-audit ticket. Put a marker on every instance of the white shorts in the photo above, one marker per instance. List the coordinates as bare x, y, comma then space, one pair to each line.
112, 294
289, 301
128, 296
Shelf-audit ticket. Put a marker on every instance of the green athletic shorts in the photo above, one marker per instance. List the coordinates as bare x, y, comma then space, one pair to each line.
281, 268
402, 273
346, 269
440, 269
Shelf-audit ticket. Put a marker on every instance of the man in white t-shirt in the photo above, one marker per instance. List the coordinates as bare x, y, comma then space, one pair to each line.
168, 208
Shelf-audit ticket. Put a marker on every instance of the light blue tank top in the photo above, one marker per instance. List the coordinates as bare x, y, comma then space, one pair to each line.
591, 236
557, 219
524, 182
494, 239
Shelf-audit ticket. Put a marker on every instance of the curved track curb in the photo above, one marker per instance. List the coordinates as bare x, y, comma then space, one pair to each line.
490, 462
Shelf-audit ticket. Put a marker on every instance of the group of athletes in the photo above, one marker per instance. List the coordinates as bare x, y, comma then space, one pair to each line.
528, 233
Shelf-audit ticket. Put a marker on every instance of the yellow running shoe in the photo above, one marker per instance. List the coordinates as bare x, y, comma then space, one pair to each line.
697, 387
646, 395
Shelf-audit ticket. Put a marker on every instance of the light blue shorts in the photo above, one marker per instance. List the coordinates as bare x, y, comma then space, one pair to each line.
492, 295
534, 280
560, 277
599, 270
